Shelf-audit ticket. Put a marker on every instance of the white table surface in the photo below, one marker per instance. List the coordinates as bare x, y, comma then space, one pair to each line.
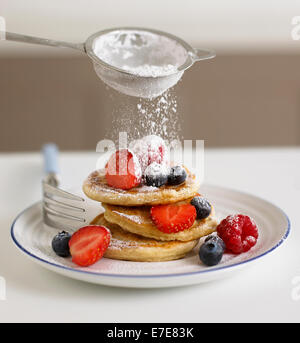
261, 293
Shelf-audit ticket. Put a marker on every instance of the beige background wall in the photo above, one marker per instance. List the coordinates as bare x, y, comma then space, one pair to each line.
248, 96
233, 100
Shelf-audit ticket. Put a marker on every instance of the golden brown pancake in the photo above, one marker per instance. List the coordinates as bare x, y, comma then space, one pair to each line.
96, 188
131, 247
138, 220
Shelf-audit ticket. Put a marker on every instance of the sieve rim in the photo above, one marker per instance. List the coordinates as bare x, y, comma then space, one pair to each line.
90, 40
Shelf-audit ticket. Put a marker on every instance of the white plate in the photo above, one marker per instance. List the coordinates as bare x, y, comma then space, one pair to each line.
34, 239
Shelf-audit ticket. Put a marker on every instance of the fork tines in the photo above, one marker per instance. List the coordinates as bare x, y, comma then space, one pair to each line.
57, 209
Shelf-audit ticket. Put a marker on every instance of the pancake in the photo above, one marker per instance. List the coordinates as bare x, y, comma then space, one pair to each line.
138, 220
96, 188
131, 247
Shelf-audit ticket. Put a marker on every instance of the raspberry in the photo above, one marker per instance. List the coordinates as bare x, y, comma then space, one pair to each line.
239, 233
150, 149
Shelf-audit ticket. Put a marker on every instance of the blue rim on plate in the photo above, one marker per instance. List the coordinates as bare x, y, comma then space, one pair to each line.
209, 270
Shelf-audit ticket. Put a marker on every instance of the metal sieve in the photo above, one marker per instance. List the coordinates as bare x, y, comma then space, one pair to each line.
167, 50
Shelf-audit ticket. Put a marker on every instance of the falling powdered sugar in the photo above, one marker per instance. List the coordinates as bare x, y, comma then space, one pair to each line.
146, 55
144, 117
159, 116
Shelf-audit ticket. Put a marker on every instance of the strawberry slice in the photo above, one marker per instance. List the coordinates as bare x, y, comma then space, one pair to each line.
88, 244
173, 218
123, 170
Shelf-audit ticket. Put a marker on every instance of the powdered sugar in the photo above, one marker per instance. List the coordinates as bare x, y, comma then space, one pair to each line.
142, 117
144, 64
159, 116
140, 52
117, 244
155, 169
151, 70
134, 218
137, 166
149, 149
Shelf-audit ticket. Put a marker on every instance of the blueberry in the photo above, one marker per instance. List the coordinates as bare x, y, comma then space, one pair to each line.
211, 252
156, 175
217, 239
60, 244
177, 175
203, 207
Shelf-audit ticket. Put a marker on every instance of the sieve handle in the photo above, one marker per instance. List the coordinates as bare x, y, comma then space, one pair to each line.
203, 54
16, 37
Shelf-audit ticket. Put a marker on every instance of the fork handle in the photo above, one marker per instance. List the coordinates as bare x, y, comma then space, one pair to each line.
50, 152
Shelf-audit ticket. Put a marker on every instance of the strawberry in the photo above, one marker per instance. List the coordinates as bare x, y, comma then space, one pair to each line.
123, 170
88, 244
173, 218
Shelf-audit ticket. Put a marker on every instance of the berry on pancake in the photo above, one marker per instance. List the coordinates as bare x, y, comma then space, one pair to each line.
177, 175
203, 207
150, 149
123, 170
173, 218
156, 175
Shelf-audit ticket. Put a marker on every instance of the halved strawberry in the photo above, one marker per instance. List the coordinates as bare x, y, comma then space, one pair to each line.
123, 170
173, 218
88, 244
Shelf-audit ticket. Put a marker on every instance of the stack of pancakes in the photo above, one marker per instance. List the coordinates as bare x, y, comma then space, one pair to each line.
134, 236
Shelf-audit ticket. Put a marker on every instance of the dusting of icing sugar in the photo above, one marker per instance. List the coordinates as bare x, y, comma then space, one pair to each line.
140, 52
151, 70
136, 164
155, 169
159, 116
143, 117
118, 244
149, 148
145, 188
235, 220
136, 219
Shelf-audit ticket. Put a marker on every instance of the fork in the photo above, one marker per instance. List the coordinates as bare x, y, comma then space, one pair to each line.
60, 208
